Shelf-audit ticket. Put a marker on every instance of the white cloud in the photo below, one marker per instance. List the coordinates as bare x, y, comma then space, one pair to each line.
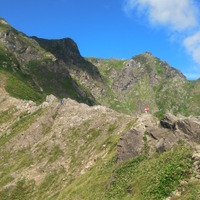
177, 14
192, 44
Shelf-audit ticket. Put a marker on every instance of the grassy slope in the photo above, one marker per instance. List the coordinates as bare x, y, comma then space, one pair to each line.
17, 84
25, 84
139, 178
59, 83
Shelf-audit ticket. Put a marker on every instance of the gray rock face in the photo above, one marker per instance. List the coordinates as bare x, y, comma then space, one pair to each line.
169, 122
158, 139
160, 146
23, 52
161, 139
127, 77
50, 98
191, 128
130, 145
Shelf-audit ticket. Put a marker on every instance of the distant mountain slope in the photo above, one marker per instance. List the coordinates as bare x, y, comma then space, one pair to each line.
146, 80
42, 66
29, 67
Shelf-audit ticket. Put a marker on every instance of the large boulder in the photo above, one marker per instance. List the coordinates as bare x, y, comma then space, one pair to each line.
191, 128
131, 144
161, 139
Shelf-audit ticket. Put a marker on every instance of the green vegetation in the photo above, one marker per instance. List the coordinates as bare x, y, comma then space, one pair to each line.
55, 153
22, 190
159, 68
153, 178
48, 186
18, 84
6, 58
191, 190
20, 126
107, 67
19, 87
60, 83
140, 178
19, 160
7, 114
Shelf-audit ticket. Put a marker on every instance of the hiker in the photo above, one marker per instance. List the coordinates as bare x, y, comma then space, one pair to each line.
60, 101
146, 109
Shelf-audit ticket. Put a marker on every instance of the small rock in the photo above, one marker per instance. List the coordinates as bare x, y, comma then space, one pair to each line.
160, 146
197, 176
196, 156
44, 105
50, 98
176, 193
183, 182
8, 132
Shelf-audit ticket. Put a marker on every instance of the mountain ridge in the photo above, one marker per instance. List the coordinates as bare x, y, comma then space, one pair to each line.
56, 66
75, 149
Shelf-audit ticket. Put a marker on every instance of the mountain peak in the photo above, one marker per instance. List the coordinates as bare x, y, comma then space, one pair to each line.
65, 48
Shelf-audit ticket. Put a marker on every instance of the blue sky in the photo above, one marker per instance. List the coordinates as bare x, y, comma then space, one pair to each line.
170, 29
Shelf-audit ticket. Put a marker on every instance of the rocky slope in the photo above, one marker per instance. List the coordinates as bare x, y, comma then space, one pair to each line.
146, 80
53, 142
73, 151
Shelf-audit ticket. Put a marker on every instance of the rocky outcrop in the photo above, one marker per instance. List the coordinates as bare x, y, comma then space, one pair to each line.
18, 44
64, 49
169, 121
130, 145
191, 128
128, 77
161, 140
158, 138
